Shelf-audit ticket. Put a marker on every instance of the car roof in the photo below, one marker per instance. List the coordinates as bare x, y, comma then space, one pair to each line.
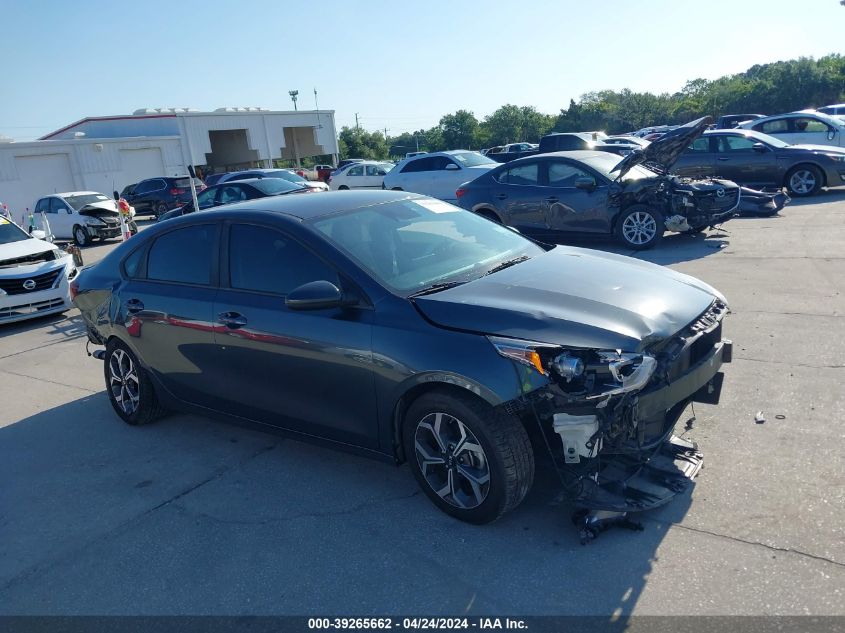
326, 203
78, 193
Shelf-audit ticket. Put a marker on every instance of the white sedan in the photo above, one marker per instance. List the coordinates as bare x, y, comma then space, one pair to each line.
438, 174
35, 276
809, 127
363, 175
80, 215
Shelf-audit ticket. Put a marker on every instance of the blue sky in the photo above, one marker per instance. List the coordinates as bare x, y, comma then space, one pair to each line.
400, 64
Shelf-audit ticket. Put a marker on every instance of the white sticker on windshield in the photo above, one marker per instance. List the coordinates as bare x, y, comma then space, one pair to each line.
437, 206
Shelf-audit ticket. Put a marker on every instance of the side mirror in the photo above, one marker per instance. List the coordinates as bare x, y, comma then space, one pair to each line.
585, 183
315, 295
760, 147
452, 167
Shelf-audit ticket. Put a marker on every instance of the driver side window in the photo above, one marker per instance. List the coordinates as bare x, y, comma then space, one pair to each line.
206, 198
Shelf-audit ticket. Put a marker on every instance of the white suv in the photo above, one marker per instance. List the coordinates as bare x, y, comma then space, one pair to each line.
801, 128
438, 174
363, 175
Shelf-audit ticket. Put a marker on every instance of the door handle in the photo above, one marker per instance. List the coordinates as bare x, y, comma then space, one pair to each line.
134, 305
551, 199
232, 320
501, 196
723, 158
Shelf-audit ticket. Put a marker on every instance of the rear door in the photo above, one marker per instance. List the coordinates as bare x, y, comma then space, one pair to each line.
698, 161
307, 371
416, 175
445, 177
355, 177
568, 208
737, 160
167, 308
373, 176
519, 196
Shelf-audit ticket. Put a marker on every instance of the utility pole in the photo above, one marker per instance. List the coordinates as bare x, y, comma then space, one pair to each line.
357, 126
385, 133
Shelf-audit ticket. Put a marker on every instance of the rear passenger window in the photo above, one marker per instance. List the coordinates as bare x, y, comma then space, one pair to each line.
773, 127
522, 175
421, 164
133, 265
264, 260
184, 255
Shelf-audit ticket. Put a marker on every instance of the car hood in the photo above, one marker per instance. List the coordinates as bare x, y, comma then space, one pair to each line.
575, 297
827, 149
96, 208
22, 248
665, 150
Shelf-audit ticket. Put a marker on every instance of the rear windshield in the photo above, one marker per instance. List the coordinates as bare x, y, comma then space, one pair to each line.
185, 183
471, 159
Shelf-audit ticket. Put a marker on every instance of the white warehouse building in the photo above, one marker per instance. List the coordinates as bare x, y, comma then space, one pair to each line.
110, 152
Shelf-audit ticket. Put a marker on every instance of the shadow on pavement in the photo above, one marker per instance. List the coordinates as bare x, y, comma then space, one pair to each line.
822, 197
59, 325
199, 517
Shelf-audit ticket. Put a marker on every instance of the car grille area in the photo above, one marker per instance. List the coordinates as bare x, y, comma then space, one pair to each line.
16, 311
712, 202
35, 283
693, 343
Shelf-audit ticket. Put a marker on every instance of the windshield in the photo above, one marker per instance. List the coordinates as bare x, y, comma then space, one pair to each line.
409, 245
276, 186
11, 233
77, 202
185, 183
471, 159
285, 175
605, 162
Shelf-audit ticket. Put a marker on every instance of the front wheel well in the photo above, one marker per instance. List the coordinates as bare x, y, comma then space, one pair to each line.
408, 399
489, 213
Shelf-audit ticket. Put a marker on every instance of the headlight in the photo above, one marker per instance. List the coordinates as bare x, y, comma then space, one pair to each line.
839, 158
94, 222
58, 254
592, 374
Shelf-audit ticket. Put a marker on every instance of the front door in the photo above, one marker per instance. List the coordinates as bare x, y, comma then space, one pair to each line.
307, 371
697, 161
738, 160
62, 218
570, 209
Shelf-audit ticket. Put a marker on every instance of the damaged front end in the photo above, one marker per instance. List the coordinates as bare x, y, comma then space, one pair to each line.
607, 417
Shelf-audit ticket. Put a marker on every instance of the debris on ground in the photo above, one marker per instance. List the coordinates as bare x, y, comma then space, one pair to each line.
759, 419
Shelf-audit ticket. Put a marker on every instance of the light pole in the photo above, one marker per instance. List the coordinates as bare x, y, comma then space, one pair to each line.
293, 94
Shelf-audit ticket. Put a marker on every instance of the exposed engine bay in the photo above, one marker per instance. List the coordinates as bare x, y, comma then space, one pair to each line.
607, 419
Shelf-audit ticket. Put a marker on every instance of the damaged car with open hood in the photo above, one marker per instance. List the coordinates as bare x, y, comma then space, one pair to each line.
405, 328
82, 216
635, 199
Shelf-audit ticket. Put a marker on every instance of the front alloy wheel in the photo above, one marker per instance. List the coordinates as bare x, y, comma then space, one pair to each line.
640, 227
804, 181
451, 460
473, 461
80, 235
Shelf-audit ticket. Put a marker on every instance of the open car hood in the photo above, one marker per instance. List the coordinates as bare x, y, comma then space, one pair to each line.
97, 208
666, 150
574, 297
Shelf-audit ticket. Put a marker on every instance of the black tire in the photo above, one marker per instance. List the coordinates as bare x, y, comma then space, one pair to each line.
639, 227
505, 455
160, 209
490, 215
396, 189
144, 407
81, 237
343, 188
803, 181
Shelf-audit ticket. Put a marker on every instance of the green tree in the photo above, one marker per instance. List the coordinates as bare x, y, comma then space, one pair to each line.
460, 130
358, 143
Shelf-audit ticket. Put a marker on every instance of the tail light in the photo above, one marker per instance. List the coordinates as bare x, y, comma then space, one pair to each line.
459, 193
74, 289
176, 191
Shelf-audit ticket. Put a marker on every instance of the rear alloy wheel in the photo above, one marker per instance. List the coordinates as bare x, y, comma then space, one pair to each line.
640, 227
129, 388
473, 462
80, 236
160, 209
804, 180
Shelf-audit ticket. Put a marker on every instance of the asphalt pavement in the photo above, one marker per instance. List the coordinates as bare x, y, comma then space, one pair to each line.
193, 516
